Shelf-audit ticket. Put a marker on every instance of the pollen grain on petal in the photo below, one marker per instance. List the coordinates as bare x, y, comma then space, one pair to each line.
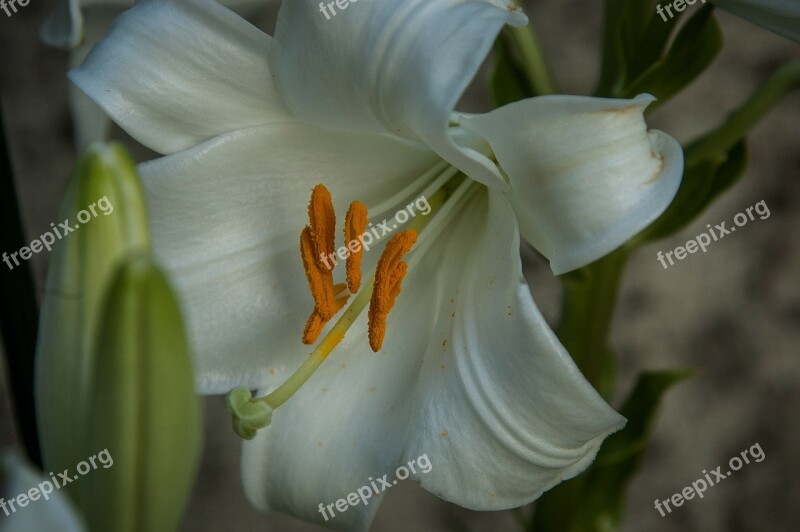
320, 278
322, 218
354, 226
388, 279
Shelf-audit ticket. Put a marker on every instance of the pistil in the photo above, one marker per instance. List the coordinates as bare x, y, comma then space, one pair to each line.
250, 414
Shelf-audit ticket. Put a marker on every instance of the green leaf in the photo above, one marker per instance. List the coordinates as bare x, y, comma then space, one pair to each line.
508, 82
637, 15
739, 122
622, 453
633, 39
144, 412
701, 185
104, 209
695, 47
613, 69
653, 43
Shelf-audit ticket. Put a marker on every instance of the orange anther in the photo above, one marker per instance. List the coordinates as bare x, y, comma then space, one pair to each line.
316, 322
322, 219
388, 278
355, 223
320, 278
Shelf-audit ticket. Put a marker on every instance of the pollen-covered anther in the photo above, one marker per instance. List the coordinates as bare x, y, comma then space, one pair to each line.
355, 224
316, 323
320, 278
388, 279
322, 218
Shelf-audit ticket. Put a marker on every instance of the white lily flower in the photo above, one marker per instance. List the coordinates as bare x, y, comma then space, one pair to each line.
780, 16
469, 372
77, 25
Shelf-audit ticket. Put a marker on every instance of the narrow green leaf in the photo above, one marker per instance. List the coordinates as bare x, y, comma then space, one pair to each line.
695, 47
653, 44
622, 453
634, 38
634, 23
144, 409
613, 72
508, 82
739, 122
104, 211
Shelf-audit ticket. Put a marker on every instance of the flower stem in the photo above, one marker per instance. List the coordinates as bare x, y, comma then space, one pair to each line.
590, 295
533, 61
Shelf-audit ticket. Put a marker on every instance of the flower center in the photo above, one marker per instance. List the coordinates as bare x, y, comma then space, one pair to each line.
317, 243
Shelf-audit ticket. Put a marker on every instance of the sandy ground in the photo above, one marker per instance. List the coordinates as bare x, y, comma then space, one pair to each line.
733, 313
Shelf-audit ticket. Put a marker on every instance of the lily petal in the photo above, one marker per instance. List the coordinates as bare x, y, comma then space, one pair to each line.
780, 16
226, 218
64, 28
193, 69
378, 66
585, 173
500, 408
470, 375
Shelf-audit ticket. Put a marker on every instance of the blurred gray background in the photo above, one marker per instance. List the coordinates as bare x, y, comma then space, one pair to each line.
733, 313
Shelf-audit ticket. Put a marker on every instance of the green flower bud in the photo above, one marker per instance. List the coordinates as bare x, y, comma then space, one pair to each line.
102, 219
144, 408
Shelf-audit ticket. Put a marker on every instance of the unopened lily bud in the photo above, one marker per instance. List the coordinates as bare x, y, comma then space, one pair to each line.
144, 409
102, 219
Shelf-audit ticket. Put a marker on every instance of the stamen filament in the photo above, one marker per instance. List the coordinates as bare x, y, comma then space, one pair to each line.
336, 334
321, 352
251, 414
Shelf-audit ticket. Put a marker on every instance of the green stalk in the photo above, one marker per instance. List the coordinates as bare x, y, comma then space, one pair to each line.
590, 295
740, 121
533, 61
